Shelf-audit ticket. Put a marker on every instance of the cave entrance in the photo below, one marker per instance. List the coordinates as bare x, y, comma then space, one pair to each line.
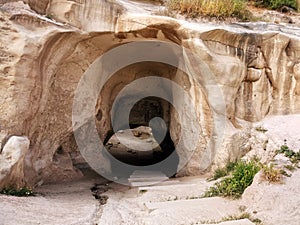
139, 121
119, 108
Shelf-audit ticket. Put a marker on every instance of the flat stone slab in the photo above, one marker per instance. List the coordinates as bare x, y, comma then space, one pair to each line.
181, 211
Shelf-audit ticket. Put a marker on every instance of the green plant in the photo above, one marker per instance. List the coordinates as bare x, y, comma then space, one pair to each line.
256, 221
234, 186
284, 173
222, 172
276, 4
49, 17
283, 149
294, 156
230, 166
243, 215
261, 129
219, 172
290, 167
219, 9
271, 174
21, 192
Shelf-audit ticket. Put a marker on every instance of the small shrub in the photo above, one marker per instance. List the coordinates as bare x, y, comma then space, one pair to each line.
294, 156
213, 8
276, 4
271, 174
234, 186
22, 192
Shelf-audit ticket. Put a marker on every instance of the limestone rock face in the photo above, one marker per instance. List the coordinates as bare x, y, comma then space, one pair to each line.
12, 159
47, 46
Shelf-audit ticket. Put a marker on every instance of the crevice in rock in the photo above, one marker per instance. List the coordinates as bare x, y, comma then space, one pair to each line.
98, 190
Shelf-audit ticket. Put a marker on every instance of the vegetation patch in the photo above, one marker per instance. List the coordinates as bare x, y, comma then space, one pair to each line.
234, 185
222, 172
21, 192
276, 4
290, 167
219, 172
212, 8
272, 174
284, 173
261, 129
289, 153
242, 216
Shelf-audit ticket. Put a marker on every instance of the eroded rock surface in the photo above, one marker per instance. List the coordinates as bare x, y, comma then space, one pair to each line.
47, 46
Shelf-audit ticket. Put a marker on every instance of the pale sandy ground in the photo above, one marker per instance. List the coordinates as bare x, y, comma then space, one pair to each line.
73, 203
169, 203
69, 203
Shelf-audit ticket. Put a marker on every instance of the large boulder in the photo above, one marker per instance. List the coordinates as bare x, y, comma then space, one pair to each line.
12, 159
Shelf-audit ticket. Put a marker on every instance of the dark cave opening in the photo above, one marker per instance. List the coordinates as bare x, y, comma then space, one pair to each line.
140, 126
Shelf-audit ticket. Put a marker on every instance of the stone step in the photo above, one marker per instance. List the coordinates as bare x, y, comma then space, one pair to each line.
201, 210
146, 178
139, 179
147, 173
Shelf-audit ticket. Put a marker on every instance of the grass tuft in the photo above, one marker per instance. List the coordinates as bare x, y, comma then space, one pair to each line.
261, 129
272, 174
212, 8
244, 215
